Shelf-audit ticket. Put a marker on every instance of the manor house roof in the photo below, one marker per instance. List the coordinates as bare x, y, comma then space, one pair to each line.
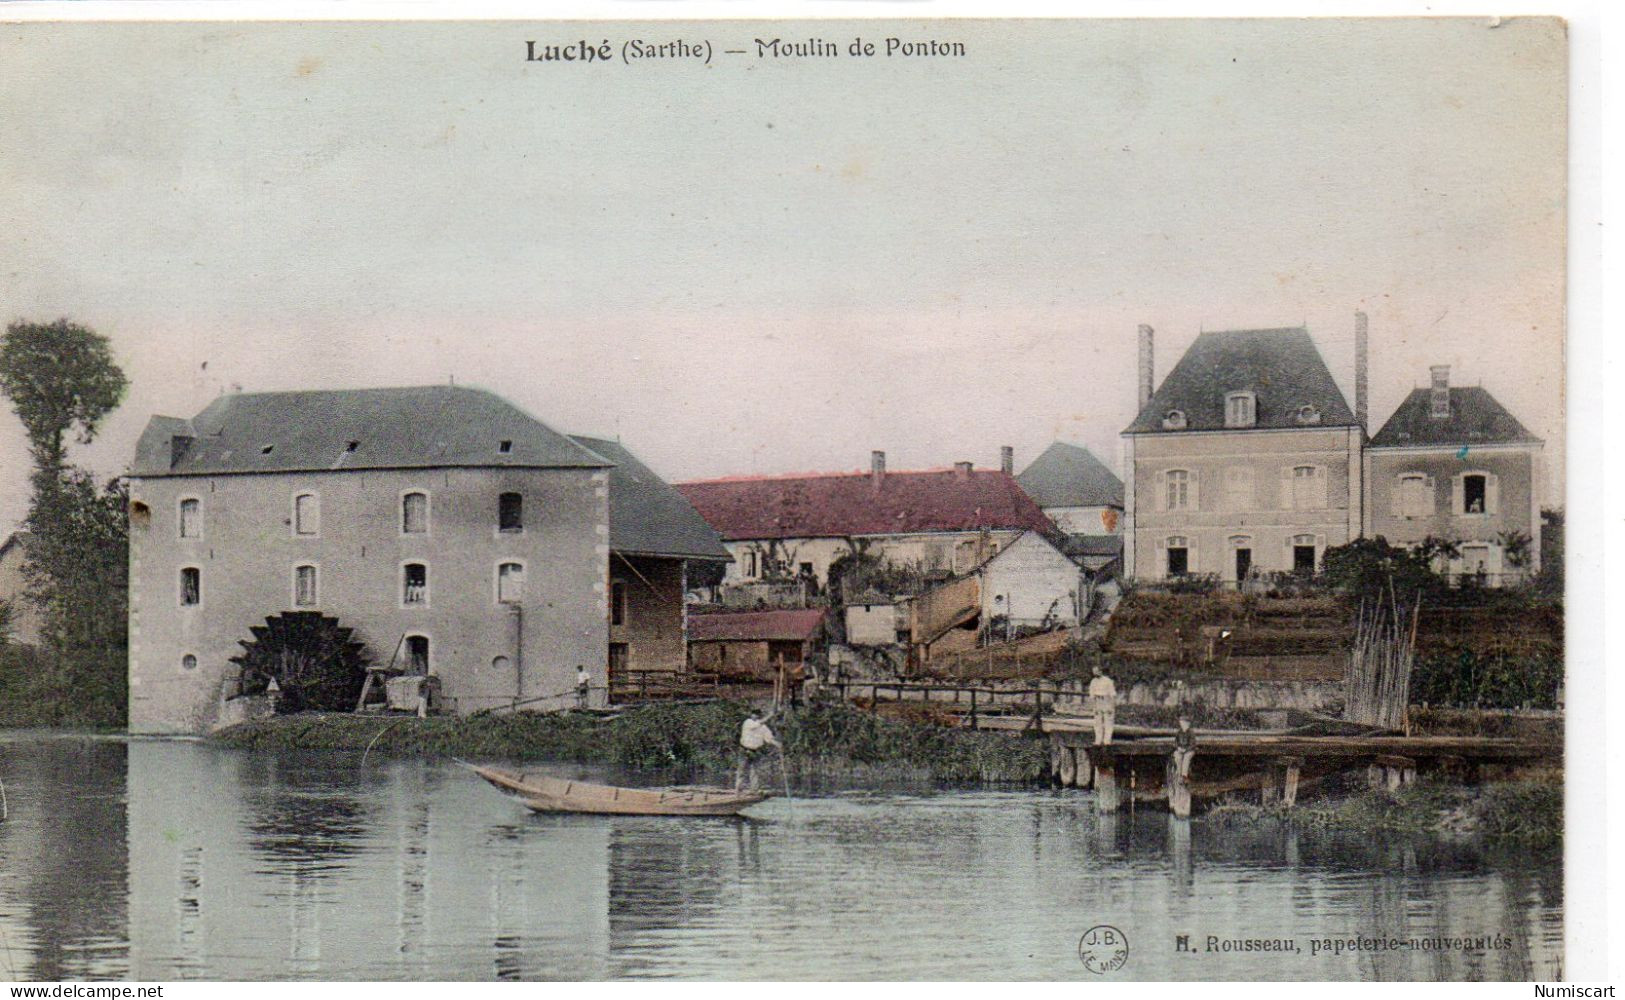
1281, 367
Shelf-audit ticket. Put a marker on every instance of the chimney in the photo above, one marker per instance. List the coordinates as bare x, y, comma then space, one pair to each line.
1362, 369
962, 470
1441, 390
1146, 385
1007, 460
877, 468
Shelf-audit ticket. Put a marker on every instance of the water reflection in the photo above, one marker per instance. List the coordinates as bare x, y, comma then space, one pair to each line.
160, 860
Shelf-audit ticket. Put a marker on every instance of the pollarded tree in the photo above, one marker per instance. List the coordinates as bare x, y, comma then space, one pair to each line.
61, 379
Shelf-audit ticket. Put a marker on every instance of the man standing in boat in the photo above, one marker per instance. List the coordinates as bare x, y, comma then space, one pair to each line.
754, 739
1103, 703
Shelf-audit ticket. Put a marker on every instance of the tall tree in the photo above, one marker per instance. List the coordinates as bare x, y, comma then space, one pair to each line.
62, 380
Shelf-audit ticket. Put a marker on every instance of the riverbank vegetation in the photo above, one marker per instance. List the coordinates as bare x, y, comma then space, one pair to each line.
1526, 814
820, 740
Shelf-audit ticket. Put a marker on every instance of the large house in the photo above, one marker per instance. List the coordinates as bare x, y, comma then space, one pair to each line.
454, 533
654, 536
1453, 464
941, 521
1246, 460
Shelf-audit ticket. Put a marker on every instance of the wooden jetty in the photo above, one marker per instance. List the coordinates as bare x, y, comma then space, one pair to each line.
1277, 764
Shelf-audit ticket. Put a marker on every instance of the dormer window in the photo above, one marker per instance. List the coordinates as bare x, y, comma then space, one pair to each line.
505, 447
1308, 414
1173, 420
1240, 409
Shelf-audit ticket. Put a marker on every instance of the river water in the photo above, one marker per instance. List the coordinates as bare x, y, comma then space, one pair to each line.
160, 860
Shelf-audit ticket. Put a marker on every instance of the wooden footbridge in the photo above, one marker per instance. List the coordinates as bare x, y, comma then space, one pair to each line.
1276, 764
1138, 764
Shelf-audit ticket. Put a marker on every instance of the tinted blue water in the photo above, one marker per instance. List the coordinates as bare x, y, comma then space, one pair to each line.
173, 860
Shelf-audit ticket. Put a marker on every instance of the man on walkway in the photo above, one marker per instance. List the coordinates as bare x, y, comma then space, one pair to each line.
754, 739
583, 686
1103, 703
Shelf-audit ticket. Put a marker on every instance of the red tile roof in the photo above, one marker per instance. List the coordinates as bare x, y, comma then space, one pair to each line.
841, 506
755, 625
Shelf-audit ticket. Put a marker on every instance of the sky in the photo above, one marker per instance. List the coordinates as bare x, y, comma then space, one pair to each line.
770, 265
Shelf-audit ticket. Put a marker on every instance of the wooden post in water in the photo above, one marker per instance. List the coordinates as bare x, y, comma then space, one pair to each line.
1108, 796
1292, 767
1069, 767
1179, 791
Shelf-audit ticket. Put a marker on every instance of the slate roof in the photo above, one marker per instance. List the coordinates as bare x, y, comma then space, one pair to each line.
797, 625
1282, 366
1475, 418
1066, 475
1078, 546
646, 515
845, 505
419, 427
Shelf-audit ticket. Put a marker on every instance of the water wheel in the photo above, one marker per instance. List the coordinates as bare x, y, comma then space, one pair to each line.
318, 664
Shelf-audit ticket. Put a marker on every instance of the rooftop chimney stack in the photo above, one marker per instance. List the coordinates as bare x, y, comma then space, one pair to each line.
1362, 370
1441, 390
962, 470
1146, 385
1007, 460
877, 468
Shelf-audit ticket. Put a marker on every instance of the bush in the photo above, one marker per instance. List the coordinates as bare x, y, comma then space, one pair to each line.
1464, 678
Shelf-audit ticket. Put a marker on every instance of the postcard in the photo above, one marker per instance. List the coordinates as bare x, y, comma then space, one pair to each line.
872, 499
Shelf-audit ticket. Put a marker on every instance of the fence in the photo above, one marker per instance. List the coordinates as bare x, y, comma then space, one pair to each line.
976, 699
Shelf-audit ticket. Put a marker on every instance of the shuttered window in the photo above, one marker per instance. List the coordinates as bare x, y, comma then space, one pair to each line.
191, 518
510, 583
307, 514
415, 514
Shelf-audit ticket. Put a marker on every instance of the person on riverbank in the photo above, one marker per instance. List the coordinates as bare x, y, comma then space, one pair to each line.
754, 740
583, 685
1103, 703
1184, 746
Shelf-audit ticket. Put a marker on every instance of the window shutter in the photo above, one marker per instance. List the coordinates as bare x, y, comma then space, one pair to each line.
1396, 498
1320, 487
1430, 503
1195, 499
1193, 558
1286, 487
1162, 503
1457, 504
1492, 493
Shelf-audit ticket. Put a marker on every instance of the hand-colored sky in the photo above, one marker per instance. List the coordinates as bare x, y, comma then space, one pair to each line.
779, 265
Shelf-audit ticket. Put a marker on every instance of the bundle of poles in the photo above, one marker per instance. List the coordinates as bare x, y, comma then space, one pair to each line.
1379, 677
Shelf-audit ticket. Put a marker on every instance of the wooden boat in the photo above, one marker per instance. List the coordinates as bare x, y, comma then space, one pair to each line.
542, 793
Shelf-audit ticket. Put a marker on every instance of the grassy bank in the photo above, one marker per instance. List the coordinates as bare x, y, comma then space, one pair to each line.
820, 741
1522, 814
